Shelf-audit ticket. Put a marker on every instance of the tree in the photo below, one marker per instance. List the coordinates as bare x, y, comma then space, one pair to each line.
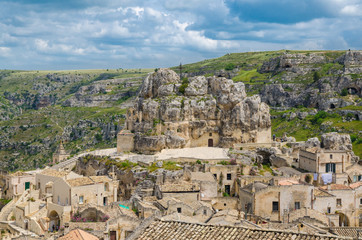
316, 76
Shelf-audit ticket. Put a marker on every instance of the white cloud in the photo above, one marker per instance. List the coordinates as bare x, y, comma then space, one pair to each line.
352, 10
5, 51
146, 33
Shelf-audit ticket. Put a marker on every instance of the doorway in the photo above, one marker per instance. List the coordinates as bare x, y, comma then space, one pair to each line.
210, 143
227, 189
113, 235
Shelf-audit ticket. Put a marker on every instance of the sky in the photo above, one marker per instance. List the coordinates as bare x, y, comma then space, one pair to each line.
101, 34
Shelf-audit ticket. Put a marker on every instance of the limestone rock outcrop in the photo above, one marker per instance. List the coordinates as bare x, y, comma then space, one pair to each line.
335, 141
211, 111
290, 73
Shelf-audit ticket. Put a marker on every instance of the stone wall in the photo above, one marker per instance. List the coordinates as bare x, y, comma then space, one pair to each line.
125, 142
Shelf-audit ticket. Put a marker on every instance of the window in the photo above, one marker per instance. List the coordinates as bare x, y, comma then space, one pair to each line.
339, 202
59, 200
330, 167
328, 209
215, 176
330, 156
210, 134
179, 210
359, 177
228, 176
205, 212
297, 205
360, 201
275, 206
81, 198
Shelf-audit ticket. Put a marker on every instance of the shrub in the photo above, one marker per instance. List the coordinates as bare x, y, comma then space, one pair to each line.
184, 85
344, 92
353, 138
318, 118
308, 178
99, 137
241, 148
229, 66
225, 194
198, 161
223, 162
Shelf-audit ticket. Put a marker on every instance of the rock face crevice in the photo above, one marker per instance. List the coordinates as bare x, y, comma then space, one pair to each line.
211, 111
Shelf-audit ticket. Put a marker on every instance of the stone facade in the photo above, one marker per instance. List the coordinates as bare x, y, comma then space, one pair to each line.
60, 154
324, 161
125, 141
200, 112
17, 183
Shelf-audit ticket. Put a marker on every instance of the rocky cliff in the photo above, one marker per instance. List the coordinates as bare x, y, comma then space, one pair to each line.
198, 111
313, 80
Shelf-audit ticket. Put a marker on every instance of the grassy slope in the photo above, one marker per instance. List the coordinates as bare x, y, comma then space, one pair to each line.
34, 127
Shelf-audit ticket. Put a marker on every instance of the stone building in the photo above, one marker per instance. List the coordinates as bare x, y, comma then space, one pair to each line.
207, 182
47, 177
200, 112
275, 202
225, 176
321, 160
16, 183
60, 154
125, 141
66, 191
184, 191
346, 204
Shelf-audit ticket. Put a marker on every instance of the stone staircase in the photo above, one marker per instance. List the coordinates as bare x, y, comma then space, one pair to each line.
8, 208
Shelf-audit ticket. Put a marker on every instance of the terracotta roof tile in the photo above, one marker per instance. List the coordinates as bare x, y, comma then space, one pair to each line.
78, 234
355, 185
336, 187
184, 230
346, 231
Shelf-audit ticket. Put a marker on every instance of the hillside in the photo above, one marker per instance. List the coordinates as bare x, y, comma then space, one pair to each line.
296, 85
38, 109
85, 108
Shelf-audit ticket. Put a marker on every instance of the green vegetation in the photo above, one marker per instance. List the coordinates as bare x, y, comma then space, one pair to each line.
344, 92
229, 66
314, 126
40, 118
184, 85
171, 166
